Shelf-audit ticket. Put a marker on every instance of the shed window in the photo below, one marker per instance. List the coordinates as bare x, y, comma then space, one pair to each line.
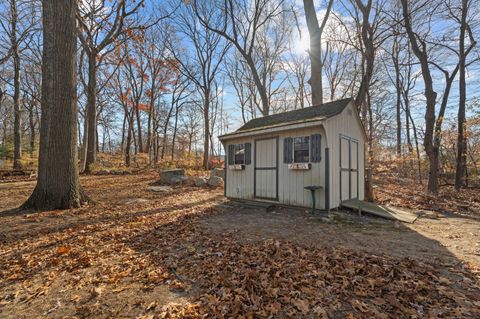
301, 149
239, 154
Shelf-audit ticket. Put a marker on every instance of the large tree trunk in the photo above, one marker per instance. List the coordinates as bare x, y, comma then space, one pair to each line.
91, 114
461, 135
315, 51
58, 185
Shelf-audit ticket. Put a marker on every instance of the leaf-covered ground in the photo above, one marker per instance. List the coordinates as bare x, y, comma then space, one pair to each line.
138, 254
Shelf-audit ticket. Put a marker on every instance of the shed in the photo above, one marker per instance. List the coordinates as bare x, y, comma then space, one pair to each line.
273, 158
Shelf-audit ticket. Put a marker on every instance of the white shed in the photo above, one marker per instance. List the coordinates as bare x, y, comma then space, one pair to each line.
273, 158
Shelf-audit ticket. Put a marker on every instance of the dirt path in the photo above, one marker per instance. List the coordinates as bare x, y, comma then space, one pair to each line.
445, 240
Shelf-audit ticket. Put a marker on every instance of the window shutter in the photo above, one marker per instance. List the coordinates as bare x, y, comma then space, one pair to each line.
248, 153
315, 149
288, 150
231, 154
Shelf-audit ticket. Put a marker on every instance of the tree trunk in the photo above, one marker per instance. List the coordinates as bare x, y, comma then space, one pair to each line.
128, 142
430, 96
315, 52
17, 125
58, 185
139, 128
31, 119
206, 129
461, 127
124, 127
174, 135
91, 114
398, 88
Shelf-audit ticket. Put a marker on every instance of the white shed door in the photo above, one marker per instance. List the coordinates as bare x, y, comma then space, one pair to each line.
266, 169
348, 168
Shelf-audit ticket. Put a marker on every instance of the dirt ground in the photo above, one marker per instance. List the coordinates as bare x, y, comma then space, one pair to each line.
432, 237
141, 254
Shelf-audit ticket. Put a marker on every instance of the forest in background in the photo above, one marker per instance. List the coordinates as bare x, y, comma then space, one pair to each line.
160, 81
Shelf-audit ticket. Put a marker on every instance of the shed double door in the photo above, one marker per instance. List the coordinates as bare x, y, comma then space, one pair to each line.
348, 168
266, 169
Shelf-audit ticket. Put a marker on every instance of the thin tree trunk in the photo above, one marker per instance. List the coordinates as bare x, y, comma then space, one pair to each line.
31, 119
461, 126
175, 126
91, 114
124, 127
17, 126
430, 96
206, 129
395, 53
58, 185
139, 128
128, 142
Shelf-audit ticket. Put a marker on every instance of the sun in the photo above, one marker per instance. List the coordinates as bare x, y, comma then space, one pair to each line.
303, 44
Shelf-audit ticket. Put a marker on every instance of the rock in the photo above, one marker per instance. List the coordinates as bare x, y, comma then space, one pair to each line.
166, 176
199, 181
178, 180
218, 172
160, 189
215, 181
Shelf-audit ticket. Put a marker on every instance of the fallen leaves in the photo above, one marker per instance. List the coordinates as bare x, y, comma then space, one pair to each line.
111, 260
63, 250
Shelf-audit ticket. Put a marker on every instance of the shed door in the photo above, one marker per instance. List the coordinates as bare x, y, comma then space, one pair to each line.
348, 168
266, 169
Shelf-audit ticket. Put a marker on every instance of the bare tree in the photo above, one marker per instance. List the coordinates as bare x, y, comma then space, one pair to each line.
19, 24
203, 65
240, 23
99, 28
464, 17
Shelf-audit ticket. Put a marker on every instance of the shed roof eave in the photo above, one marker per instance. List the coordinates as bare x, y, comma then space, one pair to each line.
273, 128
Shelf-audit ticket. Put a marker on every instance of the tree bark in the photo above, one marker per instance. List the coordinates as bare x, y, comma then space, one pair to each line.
206, 129
139, 128
31, 119
430, 96
58, 185
129, 141
461, 127
91, 114
174, 135
17, 125
315, 51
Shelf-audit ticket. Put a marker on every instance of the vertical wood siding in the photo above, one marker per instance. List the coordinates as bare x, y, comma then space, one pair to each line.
345, 124
291, 183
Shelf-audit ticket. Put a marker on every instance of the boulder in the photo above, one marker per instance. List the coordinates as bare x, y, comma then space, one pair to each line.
178, 180
218, 172
172, 176
215, 181
199, 181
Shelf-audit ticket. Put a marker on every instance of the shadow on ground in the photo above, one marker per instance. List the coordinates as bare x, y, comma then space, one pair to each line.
289, 263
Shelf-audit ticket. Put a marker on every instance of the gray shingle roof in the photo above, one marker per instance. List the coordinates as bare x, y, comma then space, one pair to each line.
324, 110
